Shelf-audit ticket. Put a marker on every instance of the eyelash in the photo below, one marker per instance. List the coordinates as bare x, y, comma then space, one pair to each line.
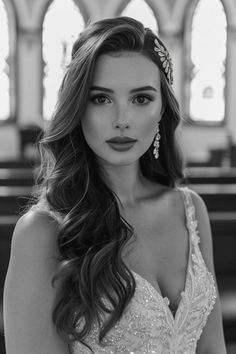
147, 97
93, 98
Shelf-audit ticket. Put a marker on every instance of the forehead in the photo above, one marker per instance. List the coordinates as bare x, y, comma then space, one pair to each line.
126, 69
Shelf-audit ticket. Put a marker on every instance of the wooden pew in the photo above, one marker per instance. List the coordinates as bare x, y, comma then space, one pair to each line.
223, 225
18, 163
210, 175
218, 197
13, 199
7, 224
16, 177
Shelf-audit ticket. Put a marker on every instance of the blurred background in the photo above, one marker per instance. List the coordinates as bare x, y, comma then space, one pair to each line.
36, 37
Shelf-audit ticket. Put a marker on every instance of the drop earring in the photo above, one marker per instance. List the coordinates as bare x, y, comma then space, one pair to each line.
156, 143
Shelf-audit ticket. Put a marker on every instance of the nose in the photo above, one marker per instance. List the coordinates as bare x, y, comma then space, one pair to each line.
121, 121
121, 125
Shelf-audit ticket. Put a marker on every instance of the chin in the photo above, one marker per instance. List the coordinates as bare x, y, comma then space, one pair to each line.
115, 160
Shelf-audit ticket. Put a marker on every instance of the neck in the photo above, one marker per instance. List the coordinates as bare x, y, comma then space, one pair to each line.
127, 182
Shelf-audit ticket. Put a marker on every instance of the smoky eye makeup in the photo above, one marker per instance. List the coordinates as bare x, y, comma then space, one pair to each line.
143, 98
138, 95
99, 98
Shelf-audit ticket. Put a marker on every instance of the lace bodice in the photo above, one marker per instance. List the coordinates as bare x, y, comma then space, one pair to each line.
147, 325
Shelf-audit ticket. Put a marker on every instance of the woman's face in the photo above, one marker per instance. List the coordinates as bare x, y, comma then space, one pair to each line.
125, 101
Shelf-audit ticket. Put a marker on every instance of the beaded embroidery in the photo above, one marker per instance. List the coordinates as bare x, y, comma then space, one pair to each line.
165, 59
147, 325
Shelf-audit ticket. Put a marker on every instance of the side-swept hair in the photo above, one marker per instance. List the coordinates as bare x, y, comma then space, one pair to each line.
72, 186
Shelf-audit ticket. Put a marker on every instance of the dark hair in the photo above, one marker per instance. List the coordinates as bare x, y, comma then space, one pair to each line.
72, 186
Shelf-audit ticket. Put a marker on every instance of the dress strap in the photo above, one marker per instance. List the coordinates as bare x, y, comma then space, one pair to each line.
187, 196
192, 221
184, 191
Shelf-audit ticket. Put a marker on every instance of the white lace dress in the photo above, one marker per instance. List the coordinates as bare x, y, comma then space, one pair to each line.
148, 326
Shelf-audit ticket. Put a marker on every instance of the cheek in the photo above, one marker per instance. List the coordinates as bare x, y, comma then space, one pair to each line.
149, 129
92, 127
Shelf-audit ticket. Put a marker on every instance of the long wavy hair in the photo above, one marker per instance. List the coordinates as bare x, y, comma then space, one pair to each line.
72, 187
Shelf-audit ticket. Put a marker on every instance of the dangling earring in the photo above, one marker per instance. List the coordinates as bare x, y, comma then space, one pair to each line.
156, 143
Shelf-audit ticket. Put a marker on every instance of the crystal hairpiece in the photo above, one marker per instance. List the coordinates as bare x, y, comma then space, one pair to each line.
165, 59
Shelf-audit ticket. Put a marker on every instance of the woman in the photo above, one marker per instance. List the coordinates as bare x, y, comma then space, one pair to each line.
129, 250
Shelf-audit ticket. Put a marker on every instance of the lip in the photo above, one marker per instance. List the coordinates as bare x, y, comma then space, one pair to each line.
121, 140
121, 146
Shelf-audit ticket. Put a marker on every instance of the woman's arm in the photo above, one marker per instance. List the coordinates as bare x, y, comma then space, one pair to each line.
212, 337
28, 294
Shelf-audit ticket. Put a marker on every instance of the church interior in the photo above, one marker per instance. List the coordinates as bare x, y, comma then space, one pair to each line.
36, 38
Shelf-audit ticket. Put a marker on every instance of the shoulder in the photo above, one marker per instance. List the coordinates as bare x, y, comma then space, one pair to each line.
34, 257
200, 209
37, 220
35, 223
34, 237
201, 212
197, 201
203, 227
29, 294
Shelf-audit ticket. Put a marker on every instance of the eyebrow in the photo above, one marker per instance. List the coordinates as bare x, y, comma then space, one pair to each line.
138, 89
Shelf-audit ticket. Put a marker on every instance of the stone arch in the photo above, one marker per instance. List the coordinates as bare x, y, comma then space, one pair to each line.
187, 18
12, 57
53, 80
159, 8
81, 4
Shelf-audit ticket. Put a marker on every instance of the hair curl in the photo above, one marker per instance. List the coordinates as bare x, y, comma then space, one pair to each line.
72, 186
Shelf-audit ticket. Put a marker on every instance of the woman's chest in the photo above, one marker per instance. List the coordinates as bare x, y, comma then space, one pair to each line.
159, 251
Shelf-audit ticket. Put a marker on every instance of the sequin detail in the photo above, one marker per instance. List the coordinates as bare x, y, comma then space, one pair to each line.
165, 60
147, 325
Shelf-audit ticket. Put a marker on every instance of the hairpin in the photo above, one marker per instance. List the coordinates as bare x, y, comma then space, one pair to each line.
165, 59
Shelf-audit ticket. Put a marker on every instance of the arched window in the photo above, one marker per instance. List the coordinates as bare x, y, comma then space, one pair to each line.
62, 24
4, 64
141, 11
205, 86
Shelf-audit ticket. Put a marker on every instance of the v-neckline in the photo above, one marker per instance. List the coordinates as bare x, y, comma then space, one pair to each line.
165, 300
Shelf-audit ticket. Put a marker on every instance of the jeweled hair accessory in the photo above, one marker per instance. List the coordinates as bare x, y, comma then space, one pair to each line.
165, 59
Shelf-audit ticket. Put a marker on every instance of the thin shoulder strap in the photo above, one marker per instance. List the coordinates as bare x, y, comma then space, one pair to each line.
186, 196
190, 212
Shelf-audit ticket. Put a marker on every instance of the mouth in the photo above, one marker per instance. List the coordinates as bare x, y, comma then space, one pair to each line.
121, 143
121, 140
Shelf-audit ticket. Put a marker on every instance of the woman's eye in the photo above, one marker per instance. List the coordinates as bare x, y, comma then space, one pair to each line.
142, 99
100, 99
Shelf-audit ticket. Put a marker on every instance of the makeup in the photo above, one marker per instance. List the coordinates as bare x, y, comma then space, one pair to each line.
121, 143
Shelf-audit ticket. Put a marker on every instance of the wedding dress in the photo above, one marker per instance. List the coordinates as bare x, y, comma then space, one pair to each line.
148, 325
